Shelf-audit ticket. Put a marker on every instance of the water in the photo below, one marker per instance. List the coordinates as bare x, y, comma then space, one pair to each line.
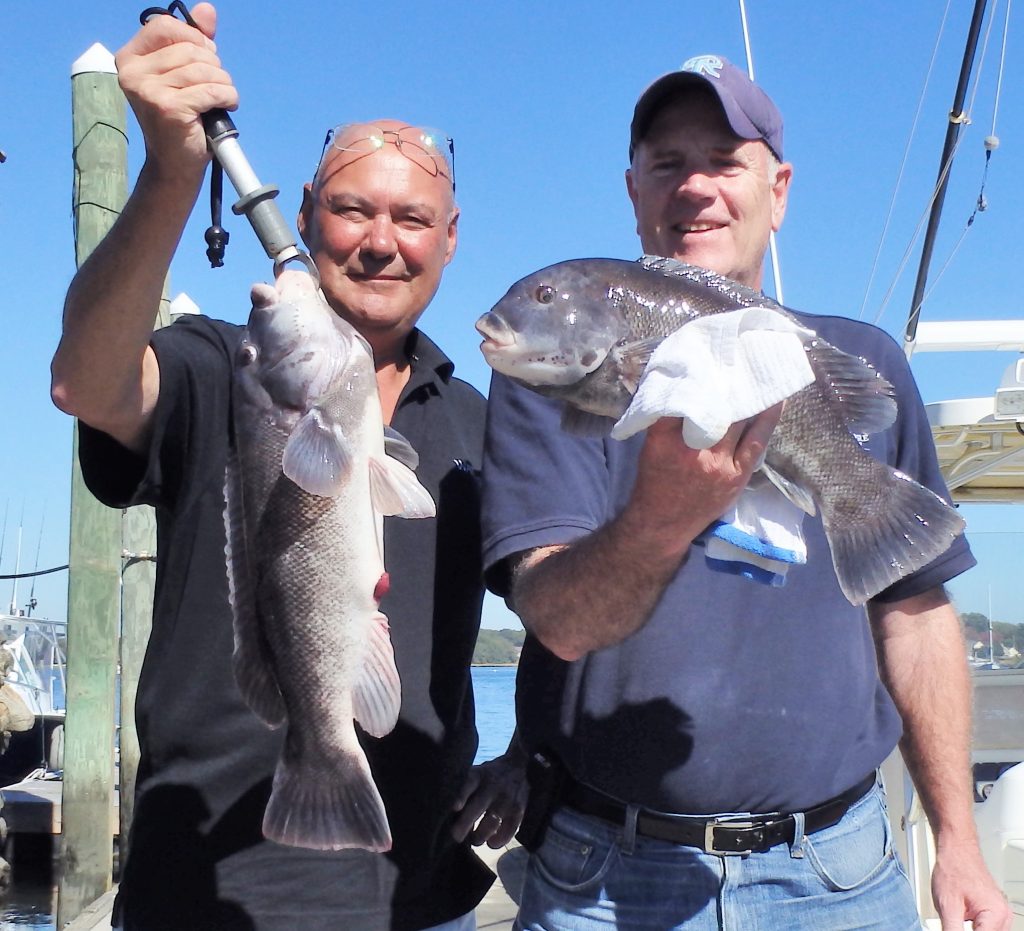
32, 903
494, 689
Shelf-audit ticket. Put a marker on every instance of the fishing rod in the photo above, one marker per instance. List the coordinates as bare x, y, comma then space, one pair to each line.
957, 118
255, 200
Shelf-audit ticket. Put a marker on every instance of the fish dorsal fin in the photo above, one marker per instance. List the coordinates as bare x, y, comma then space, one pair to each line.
795, 493
733, 290
583, 423
863, 398
395, 490
398, 447
252, 658
377, 693
316, 456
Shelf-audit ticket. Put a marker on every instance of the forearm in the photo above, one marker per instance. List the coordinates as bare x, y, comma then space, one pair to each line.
603, 587
923, 664
595, 592
102, 371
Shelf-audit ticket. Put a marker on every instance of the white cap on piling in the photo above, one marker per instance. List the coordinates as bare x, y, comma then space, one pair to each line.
183, 304
95, 59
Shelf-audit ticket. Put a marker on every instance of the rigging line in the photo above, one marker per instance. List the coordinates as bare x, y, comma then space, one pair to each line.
963, 117
921, 223
3, 533
1003, 64
29, 575
906, 157
980, 202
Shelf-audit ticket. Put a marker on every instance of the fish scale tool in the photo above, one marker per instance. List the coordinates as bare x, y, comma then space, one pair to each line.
255, 200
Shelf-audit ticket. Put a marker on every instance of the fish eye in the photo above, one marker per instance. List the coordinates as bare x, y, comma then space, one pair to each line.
545, 294
247, 354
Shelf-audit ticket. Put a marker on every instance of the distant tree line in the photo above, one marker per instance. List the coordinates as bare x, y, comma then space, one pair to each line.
1007, 639
498, 647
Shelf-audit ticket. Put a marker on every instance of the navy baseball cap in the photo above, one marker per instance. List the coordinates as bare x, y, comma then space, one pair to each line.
749, 110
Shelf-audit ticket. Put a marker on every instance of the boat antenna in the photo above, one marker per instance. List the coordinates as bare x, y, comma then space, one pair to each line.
17, 565
3, 532
35, 569
957, 118
773, 250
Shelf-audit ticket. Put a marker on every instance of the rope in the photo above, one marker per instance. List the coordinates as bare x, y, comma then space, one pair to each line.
30, 575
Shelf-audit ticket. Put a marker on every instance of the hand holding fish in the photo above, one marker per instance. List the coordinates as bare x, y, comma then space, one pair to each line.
171, 74
679, 490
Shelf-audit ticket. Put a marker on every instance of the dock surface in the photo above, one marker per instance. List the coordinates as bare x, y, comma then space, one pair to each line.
496, 912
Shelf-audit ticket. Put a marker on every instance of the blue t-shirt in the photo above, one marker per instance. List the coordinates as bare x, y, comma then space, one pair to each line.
734, 696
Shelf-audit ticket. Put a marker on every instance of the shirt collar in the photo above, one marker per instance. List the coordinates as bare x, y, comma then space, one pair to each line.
428, 363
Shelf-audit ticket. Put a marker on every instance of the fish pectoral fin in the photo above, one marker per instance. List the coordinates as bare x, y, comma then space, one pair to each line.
584, 423
398, 447
799, 495
316, 456
632, 360
396, 492
377, 694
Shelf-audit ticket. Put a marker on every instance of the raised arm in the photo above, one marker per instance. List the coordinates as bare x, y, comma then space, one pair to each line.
104, 371
603, 587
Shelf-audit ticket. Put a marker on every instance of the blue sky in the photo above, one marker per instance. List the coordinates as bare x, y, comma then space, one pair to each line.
538, 97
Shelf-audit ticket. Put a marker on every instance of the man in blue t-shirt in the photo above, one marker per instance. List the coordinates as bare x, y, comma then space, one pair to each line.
656, 693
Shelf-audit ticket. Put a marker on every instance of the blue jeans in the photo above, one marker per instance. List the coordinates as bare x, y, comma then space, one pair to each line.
584, 876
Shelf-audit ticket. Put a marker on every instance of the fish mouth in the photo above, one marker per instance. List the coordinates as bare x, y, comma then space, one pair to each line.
496, 332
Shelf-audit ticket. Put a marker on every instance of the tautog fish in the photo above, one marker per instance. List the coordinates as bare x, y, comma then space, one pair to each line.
583, 331
306, 488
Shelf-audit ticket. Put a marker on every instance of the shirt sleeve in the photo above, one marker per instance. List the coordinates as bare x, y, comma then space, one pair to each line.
541, 486
191, 422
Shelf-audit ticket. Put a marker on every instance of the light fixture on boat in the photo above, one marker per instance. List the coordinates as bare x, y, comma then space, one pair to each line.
1009, 400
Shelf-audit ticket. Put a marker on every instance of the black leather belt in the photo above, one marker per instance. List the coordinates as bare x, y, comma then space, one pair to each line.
741, 834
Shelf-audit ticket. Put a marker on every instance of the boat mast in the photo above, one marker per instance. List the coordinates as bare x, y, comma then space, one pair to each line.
956, 119
776, 271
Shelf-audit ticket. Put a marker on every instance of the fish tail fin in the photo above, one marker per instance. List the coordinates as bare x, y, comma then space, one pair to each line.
899, 529
333, 807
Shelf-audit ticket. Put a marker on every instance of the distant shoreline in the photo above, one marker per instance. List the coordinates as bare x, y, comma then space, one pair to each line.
495, 664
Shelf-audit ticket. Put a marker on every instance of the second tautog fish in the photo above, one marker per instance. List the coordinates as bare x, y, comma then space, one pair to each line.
583, 331
306, 490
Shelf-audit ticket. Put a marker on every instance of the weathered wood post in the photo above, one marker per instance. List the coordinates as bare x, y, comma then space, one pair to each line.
94, 578
138, 577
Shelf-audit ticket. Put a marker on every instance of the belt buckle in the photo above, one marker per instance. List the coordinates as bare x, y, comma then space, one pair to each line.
709, 836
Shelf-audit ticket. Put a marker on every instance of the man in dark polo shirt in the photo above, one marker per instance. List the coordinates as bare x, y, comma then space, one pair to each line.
380, 221
709, 745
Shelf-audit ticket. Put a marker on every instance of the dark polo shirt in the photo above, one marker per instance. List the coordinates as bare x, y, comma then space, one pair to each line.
197, 857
